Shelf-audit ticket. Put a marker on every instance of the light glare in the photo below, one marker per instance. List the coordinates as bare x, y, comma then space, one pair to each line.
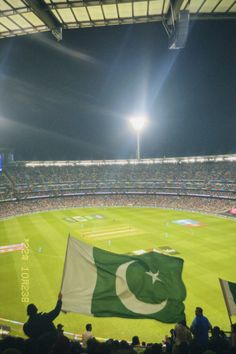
138, 123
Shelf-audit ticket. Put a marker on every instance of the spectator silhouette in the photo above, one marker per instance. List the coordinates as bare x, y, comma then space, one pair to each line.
87, 335
200, 328
40, 328
218, 343
233, 335
182, 333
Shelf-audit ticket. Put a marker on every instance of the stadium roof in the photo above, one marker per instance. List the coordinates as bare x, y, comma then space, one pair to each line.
19, 17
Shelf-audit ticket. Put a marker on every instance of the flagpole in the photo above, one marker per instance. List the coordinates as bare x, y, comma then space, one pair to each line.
64, 267
226, 301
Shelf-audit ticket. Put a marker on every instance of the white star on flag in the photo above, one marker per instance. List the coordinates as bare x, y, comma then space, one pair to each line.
154, 276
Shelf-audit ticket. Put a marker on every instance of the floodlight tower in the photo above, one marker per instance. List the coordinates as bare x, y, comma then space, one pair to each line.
138, 124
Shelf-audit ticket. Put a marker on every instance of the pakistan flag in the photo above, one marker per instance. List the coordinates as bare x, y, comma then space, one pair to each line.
100, 283
229, 293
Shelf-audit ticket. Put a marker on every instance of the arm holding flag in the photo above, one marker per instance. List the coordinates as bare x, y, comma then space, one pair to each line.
55, 312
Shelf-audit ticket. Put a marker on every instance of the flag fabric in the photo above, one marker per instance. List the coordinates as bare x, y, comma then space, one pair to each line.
100, 283
229, 293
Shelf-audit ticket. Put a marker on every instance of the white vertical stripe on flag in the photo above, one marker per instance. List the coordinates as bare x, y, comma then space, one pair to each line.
79, 278
229, 300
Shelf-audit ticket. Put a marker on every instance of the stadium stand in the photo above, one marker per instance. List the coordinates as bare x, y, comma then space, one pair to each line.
198, 183
217, 343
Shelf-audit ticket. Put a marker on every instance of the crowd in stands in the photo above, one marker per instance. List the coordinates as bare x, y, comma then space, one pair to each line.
207, 186
207, 171
216, 179
44, 338
5, 187
207, 205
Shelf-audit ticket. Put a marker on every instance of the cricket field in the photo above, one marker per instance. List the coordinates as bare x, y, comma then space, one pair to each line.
32, 252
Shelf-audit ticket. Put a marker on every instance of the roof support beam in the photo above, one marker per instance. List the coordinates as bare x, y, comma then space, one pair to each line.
176, 23
173, 11
176, 6
42, 11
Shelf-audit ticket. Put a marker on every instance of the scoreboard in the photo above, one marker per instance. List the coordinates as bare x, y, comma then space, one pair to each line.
6, 157
1, 162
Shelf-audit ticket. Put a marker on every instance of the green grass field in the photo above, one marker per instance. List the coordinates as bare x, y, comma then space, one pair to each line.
209, 252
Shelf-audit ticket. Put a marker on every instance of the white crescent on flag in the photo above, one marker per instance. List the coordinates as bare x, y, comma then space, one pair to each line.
128, 299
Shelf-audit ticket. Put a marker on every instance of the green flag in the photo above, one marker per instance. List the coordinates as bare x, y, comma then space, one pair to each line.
100, 283
229, 292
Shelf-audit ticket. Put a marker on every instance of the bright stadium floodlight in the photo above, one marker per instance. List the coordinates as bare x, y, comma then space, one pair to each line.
138, 124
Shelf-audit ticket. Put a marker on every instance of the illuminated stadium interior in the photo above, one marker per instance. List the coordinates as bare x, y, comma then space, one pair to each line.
183, 207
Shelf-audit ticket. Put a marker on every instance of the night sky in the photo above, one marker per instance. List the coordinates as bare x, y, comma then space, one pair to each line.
73, 99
